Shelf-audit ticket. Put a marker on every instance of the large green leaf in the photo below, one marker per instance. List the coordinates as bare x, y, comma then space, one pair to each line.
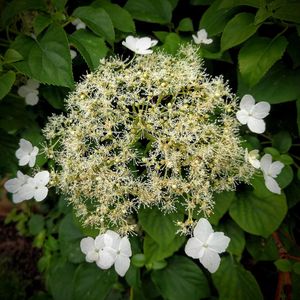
69, 240
215, 18
282, 141
260, 215
232, 3
121, 18
91, 47
288, 11
181, 279
97, 19
153, 11
46, 59
161, 227
258, 55
92, 283
234, 282
280, 84
238, 30
6, 82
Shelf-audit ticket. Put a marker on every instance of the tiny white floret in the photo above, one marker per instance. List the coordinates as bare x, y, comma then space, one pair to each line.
270, 171
206, 245
253, 158
30, 92
78, 24
201, 37
139, 45
252, 114
26, 153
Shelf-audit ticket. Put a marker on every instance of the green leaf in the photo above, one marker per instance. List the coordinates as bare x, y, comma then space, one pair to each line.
171, 43
46, 59
234, 282
296, 268
6, 82
152, 11
11, 56
260, 215
69, 239
215, 18
261, 15
185, 24
16, 6
41, 22
258, 55
288, 12
283, 265
201, 2
232, 3
59, 4
238, 30
285, 177
282, 141
54, 95
138, 260
120, 17
161, 35
157, 252
181, 279
286, 159
92, 283
60, 279
97, 19
279, 85
36, 224
237, 237
91, 47
298, 115
161, 227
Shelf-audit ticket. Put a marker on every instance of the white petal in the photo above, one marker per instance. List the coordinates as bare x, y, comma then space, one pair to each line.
25, 145
92, 256
42, 178
275, 168
20, 153
260, 110
12, 185
122, 265
153, 43
73, 54
196, 40
35, 151
207, 41
130, 43
24, 160
256, 125
106, 260
32, 98
247, 103
33, 84
202, 230
218, 242
265, 163
23, 91
125, 247
27, 190
40, 193
193, 247
87, 244
210, 260
112, 239
32, 160
272, 185
80, 25
255, 163
76, 22
17, 198
143, 43
202, 34
242, 116
99, 242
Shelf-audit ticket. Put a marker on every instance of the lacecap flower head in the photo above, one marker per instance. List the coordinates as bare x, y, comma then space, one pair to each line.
155, 131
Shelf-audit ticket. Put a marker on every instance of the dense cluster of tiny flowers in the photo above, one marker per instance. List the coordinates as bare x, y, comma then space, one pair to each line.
153, 131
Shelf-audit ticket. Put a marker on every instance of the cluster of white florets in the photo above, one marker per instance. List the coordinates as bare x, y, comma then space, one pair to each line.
153, 131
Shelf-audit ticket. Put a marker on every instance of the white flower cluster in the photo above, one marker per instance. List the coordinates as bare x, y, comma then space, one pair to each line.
24, 187
206, 245
269, 169
30, 92
108, 249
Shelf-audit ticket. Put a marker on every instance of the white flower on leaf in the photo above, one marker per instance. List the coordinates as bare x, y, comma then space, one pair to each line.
139, 45
252, 114
73, 54
108, 249
30, 92
270, 171
26, 153
253, 158
79, 24
206, 245
201, 37
15, 185
36, 187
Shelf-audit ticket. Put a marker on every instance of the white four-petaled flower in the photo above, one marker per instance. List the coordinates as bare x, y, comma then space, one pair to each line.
252, 158
270, 171
252, 114
30, 92
79, 24
139, 45
206, 245
108, 249
26, 153
201, 37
